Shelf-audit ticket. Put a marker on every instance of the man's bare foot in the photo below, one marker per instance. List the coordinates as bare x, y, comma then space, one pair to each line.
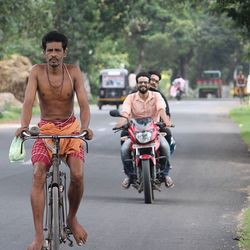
36, 245
78, 231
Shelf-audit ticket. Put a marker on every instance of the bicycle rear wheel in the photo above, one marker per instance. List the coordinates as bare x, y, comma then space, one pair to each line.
55, 237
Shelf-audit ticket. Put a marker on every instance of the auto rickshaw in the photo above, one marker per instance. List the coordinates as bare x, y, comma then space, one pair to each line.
114, 87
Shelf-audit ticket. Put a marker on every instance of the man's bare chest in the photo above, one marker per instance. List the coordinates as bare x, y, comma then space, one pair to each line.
55, 88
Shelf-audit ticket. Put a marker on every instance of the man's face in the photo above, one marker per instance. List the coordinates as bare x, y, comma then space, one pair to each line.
154, 81
54, 54
143, 84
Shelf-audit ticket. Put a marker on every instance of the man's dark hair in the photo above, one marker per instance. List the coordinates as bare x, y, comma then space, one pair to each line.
144, 73
54, 36
155, 72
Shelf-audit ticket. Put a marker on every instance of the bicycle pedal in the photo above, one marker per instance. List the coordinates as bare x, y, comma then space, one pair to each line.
64, 237
68, 231
140, 188
156, 187
70, 242
45, 245
135, 185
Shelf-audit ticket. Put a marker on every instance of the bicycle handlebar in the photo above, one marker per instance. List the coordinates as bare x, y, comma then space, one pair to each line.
34, 133
27, 136
37, 135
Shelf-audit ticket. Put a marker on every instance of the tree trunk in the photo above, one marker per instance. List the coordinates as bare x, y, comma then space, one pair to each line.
141, 58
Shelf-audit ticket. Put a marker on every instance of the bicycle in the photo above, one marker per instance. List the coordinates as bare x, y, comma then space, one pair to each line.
56, 208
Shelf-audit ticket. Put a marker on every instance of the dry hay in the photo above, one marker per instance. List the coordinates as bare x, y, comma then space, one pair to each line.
14, 74
8, 100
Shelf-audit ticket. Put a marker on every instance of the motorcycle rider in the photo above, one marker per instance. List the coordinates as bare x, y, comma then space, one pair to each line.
154, 82
178, 87
144, 103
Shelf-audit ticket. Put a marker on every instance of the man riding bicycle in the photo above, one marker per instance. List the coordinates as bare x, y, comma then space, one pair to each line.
241, 84
56, 83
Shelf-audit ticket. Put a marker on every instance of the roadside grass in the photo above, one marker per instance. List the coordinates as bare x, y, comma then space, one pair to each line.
241, 116
94, 100
244, 237
13, 114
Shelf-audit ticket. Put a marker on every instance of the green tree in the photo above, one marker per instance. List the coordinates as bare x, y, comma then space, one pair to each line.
20, 26
181, 36
235, 9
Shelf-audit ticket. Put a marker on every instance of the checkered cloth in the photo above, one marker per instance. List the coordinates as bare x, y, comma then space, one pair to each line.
40, 151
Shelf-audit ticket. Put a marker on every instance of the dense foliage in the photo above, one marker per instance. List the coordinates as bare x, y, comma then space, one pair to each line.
181, 37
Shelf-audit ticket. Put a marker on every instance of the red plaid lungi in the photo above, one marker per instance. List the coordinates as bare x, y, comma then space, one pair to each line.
39, 150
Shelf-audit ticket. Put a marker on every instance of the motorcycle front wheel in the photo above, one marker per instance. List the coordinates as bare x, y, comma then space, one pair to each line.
147, 185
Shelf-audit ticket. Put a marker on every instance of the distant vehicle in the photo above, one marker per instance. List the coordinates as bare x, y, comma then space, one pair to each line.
113, 87
241, 86
209, 83
177, 89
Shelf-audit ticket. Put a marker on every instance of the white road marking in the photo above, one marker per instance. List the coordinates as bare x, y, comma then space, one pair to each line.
13, 125
101, 129
27, 162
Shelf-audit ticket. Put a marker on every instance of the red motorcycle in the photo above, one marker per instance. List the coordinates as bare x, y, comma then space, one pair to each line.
145, 142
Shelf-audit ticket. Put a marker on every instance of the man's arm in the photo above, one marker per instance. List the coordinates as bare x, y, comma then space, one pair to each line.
30, 94
165, 117
126, 111
82, 99
122, 121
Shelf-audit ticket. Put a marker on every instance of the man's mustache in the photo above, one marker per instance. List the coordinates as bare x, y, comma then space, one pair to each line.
53, 58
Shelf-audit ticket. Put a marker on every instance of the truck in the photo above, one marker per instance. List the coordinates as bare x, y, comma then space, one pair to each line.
210, 83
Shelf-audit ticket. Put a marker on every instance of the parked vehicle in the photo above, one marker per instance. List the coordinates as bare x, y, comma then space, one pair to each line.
210, 82
113, 87
146, 158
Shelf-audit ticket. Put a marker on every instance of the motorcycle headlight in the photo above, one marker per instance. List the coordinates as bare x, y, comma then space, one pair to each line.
143, 137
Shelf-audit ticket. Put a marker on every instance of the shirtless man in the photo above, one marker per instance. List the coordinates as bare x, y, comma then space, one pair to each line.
241, 84
56, 84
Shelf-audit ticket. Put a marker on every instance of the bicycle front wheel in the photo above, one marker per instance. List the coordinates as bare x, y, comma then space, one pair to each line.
55, 239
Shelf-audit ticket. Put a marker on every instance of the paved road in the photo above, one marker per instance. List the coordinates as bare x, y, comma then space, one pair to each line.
210, 170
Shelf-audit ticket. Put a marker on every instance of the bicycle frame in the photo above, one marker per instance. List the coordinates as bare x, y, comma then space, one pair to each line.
55, 224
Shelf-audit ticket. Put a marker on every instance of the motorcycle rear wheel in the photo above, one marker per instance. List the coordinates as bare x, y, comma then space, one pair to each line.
147, 185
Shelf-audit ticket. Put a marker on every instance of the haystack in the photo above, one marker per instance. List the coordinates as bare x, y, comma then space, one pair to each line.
14, 74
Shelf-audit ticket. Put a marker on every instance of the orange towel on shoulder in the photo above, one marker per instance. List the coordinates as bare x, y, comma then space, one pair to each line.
67, 146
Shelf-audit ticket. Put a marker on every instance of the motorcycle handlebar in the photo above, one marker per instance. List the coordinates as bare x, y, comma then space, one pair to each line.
159, 124
163, 125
